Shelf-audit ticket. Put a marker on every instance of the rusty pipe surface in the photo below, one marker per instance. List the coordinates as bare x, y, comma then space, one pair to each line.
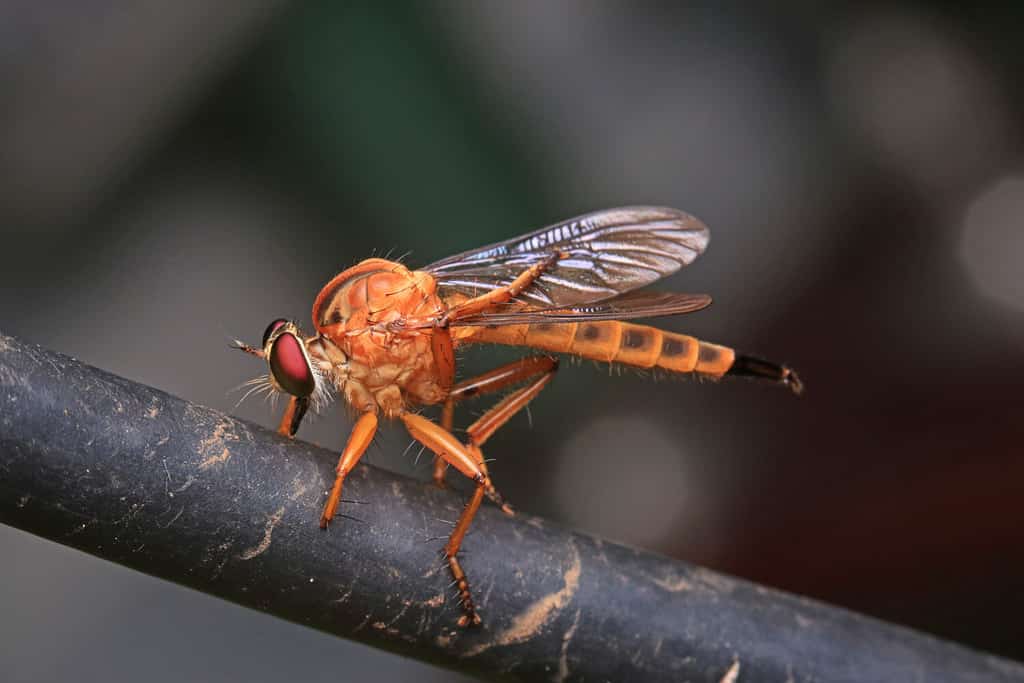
136, 476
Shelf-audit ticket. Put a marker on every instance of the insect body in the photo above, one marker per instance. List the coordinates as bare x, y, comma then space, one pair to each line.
385, 336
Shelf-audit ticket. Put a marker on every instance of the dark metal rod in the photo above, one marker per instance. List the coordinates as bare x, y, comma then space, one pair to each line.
147, 480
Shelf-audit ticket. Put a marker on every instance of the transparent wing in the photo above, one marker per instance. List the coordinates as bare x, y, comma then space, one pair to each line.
623, 307
609, 252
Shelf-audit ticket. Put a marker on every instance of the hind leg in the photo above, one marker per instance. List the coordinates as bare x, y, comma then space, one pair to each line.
539, 369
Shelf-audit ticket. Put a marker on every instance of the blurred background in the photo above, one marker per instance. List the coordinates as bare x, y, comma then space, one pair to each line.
175, 174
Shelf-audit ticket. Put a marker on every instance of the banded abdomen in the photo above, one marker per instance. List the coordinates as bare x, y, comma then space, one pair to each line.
640, 346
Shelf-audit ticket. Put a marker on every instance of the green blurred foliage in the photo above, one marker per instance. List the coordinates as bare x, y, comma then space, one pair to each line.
366, 104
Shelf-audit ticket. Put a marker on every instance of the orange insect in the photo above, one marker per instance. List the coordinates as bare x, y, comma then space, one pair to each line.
385, 336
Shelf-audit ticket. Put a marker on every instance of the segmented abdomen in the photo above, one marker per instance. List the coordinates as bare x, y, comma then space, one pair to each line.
640, 346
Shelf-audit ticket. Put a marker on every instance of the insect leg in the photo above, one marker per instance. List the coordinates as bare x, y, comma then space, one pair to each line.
447, 446
502, 412
358, 441
293, 415
447, 421
501, 295
474, 305
491, 381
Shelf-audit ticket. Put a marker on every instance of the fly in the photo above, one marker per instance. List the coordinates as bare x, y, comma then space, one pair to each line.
385, 337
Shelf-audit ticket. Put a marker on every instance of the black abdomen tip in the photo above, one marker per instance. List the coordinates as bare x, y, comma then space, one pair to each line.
749, 366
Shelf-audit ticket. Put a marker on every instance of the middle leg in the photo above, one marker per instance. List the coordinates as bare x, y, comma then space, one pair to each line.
447, 446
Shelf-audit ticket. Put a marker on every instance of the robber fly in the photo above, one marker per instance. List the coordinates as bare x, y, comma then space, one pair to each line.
385, 337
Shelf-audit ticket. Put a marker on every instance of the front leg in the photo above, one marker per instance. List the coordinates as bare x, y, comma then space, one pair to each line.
358, 441
293, 415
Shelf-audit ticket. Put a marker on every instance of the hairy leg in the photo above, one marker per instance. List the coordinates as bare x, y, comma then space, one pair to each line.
539, 369
358, 440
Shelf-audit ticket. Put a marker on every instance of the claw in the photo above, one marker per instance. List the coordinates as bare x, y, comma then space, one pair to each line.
792, 381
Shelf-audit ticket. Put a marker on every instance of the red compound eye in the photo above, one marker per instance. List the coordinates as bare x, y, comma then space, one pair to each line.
270, 329
290, 367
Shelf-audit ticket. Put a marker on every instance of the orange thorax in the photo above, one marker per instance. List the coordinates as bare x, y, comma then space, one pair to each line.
354, 309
